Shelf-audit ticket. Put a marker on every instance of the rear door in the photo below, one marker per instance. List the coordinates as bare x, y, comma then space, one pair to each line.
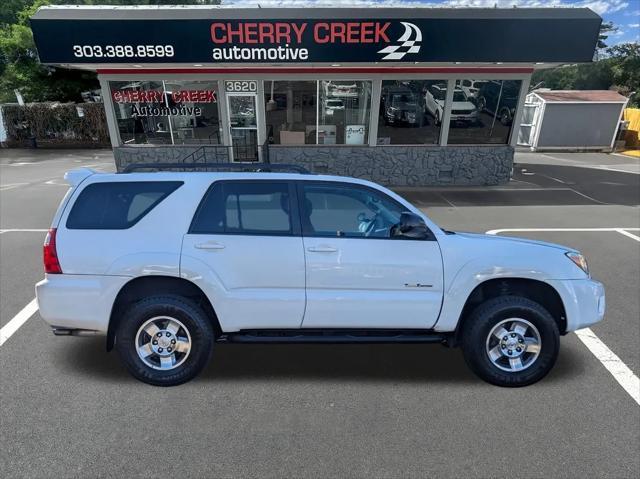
245, 238
357, 276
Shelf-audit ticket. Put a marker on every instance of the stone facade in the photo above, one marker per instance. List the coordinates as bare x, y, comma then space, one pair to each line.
387, 165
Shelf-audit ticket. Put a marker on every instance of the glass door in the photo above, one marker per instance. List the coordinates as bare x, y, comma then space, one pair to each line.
243, 126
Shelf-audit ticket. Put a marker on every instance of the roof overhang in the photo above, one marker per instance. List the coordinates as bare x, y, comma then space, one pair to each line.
116, 37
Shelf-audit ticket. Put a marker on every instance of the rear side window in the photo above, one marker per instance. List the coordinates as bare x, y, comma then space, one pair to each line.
118, 205
235, 207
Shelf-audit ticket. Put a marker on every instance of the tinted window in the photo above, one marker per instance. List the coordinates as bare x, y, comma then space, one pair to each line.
244, 208
483, 111
405, 115
118, 205
344, 211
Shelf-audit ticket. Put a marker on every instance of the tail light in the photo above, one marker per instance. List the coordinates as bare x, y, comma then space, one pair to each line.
50, 255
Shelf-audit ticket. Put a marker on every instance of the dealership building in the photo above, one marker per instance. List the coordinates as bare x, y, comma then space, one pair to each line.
401, 96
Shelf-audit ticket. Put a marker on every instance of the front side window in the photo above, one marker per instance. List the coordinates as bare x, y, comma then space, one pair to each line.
483, 111
335, 210
410, 112
235, 207
166, 112
117, 205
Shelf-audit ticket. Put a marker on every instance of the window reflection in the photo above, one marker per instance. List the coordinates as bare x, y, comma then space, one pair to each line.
483, 111
324, 112
344, 112
166, 112
406, 116
290, 108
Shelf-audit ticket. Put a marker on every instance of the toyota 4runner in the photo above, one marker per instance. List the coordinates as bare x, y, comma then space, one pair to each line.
166, 264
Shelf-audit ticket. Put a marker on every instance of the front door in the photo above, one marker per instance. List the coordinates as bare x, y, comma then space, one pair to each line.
245, 246
243, 126
357, 276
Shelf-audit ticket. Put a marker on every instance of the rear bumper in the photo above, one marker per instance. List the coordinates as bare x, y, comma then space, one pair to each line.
584, 301
69, 302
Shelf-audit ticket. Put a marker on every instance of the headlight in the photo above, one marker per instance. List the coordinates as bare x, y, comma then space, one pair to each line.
579, 260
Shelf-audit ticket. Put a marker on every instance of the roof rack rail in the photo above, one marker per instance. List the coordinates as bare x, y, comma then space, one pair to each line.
257, 168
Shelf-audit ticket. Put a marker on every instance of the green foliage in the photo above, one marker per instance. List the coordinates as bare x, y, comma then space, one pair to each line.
605, 29
619, 70
19, 65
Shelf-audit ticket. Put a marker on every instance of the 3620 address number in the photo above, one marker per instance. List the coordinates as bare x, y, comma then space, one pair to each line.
123, 51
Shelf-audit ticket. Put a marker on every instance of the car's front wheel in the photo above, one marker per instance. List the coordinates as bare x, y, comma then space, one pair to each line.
510, 341
165, 340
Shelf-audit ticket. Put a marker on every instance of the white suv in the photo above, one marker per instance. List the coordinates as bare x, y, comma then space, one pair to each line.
167, 264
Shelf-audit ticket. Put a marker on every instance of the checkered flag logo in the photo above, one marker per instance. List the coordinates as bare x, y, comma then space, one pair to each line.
396, 52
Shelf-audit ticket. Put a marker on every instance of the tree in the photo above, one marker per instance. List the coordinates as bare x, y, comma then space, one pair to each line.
625, 67
605, 29
19, 65
616, 68
20, 68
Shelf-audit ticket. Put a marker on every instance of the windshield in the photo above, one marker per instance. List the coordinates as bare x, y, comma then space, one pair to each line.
459, 96
405, 101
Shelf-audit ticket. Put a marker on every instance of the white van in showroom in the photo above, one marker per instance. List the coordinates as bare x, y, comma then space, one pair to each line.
166, 264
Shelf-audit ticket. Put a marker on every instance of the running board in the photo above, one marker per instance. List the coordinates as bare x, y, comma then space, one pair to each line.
348, 336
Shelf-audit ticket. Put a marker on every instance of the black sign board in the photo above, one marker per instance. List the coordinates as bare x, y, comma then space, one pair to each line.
317, 40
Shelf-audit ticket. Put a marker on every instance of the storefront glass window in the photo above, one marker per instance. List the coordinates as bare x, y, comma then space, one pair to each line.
483, 111
290, 108
411, 111
166, 112
343, 116
325, 112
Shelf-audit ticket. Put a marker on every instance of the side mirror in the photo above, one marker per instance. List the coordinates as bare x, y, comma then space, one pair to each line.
411, 226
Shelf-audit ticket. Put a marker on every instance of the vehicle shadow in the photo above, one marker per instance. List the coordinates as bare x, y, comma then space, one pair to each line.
393, 363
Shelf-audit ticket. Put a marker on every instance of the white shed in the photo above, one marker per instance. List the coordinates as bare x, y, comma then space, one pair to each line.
571, 119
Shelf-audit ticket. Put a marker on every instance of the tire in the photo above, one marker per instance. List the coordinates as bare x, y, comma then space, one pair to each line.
512, 313
188, 335
505, 117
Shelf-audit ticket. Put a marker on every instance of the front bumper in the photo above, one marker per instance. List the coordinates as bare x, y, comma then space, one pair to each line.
70, 302
584, 301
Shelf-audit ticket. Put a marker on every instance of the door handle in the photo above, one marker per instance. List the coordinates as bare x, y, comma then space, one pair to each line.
209, 246
322, 249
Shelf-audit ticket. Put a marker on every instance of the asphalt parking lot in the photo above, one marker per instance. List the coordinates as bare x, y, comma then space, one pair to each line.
69, 409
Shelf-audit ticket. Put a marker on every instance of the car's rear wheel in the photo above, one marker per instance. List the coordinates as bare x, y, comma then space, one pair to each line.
510, 341
165, 340
505, 117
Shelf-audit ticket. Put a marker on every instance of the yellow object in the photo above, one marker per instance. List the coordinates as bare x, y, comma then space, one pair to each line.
634, 153
631, 137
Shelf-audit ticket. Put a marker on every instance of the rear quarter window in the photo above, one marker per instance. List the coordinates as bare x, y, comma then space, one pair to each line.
117, 205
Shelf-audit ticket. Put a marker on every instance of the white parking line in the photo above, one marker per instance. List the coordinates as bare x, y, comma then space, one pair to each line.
523, 230
623, 231
10, 186
25, 230
18, 320
618, 369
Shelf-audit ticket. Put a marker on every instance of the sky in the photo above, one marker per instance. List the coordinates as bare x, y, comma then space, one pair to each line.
625, 14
